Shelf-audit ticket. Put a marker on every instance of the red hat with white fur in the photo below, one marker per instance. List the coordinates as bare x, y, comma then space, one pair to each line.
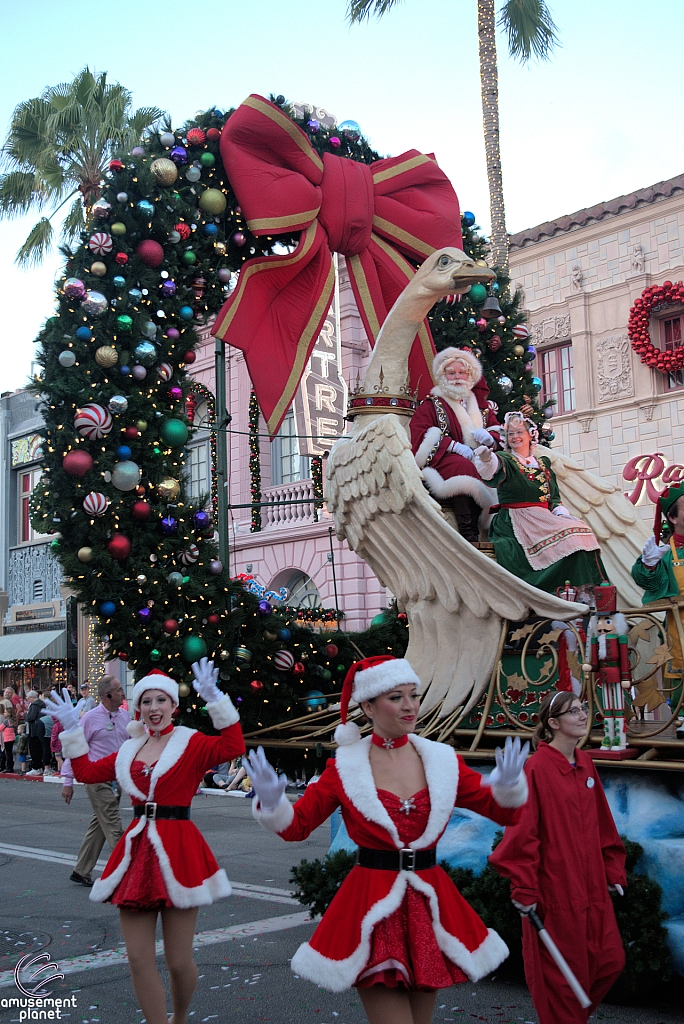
154, 680
367, 679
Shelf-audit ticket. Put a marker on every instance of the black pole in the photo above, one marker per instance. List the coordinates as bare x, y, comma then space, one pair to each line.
222, 420
332, 562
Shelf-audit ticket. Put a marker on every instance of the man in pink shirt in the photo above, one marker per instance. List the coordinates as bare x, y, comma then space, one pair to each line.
105, 731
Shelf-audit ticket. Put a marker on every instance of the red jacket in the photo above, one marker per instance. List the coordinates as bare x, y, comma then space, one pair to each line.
340, 946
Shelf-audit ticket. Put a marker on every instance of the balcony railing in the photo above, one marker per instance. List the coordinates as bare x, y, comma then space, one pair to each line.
295, 504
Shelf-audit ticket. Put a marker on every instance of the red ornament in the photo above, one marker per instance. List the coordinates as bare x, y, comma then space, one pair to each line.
299, 668
183, 230
402, 617
77, 463
170, 626
189, 357
140, 491
119, 547
122, 656
121, 258
213, 134
150, 252
332, 650
141, 510
196, 137
213, 619
116, 165
131, 433
494, 343
257, 685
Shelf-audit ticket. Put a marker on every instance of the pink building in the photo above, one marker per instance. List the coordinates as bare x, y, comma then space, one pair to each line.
292, 549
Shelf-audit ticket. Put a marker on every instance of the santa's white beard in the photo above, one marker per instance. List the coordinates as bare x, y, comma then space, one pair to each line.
456, 392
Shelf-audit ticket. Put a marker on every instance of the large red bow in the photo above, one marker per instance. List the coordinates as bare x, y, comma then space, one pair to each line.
370, 214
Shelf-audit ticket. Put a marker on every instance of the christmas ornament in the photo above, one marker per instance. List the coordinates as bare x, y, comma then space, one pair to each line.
144, 614
121, 258
66, 358
100, 243
238, 239
189, 258
165, 371
101, 209
131, 433
183, 690
146, 208
213, 619
149, 330
265, 608
168, 289
55, 545
468, 218
95, 503
175, 393
314, 701
118, 229
186, 312
123, 452
521, 331
141, 510
194, 648
531, 352
494, 343
350, 129
175, 579
283, 661
155, 655
213, 134
151, 253
179, 155
299, 668
168, 489
284, 634
173, 433
85, 554
95, 303
117, 404
202, 520
106, 356
190, 555
137, 151
189, 357
549, 435
77, 463
196, 137
224, 275
141, 425
174, 237
168, 525
548, 412
313, 125
124, 323
92, 421
638, 332
74, 288
119, 282
122, 197
216, 567
332, 650
212, 201
84, 333
183, 230
107, 608
167, 139
518, 350
119, 547
537, 383
164, 171
126, 475
173, 333
138, 373
207, 159
505, 383
477, 294
134, 294
481, 324
145, 353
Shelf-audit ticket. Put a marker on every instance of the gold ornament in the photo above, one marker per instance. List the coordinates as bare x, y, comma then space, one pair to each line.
85, 554
270, 636
183, 690
220, 248
164, 171
518, 350
168, 489
106, 356
118, 228
98, 269
212, 201
481, 263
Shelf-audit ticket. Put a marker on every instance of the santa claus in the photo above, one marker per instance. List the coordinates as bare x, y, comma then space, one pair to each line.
445, 430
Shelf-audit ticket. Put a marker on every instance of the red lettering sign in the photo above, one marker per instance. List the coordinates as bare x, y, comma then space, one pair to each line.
644, 470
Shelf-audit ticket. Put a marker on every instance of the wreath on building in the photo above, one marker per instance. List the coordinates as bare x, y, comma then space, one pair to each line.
652, 299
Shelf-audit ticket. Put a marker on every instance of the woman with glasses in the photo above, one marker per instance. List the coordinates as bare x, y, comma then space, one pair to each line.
563, 858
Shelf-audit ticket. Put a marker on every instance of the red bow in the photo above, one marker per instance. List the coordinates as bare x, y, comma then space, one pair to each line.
370, 214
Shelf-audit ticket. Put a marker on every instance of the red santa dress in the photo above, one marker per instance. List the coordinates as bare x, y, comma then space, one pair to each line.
563, 854
162, 862
409, 927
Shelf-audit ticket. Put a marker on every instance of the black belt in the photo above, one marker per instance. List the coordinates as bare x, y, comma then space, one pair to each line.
152, 811
396, 860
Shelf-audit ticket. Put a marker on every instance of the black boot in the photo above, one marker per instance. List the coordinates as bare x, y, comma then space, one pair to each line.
467, 512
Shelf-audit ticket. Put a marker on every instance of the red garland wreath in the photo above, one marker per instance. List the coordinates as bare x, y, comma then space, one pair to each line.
637, 326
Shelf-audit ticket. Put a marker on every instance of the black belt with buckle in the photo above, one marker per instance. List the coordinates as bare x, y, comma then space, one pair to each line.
396, 860
152, 811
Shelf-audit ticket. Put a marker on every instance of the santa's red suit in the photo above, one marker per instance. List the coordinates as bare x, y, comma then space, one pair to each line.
563, 854
162, 862
344, 946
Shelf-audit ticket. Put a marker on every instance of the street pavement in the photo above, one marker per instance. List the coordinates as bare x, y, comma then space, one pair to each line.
244, 944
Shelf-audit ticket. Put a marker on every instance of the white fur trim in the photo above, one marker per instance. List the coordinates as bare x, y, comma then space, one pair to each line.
277, 819
440, 763
135, 728
154, 682
447, 355
488, 469
173, 751
371, 682
347, 734
511, 796
442, 488
104, 887
223, 713
354, 770
431, 439
124, 760
74, 743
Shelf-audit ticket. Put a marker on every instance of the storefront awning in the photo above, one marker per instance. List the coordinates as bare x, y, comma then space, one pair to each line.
46, 645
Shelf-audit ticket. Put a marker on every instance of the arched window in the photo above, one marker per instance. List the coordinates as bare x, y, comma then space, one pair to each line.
302, 590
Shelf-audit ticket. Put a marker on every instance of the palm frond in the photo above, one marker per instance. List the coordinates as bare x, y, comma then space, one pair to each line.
36, 245
74, 222
358, 10
17, 193
530, 29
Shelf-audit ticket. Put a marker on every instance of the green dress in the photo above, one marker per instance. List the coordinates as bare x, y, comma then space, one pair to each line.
658, 583
532, 485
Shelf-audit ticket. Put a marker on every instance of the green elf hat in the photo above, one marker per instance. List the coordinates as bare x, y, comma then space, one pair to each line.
663, 505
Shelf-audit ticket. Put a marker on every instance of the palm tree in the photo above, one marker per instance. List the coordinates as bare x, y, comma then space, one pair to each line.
58, 147
531, 33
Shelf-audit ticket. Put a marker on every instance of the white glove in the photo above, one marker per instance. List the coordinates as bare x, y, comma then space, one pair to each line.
483, 436
63, 710
524, 910
616, 888
205, 681
460, 449
561, 510
265, 782
509, 763
652, 552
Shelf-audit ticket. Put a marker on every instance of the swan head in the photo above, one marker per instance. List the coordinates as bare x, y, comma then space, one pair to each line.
450, 272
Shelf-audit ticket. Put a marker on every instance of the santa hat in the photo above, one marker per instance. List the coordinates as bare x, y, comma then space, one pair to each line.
663, 505
154, 680
367, 679
447, 355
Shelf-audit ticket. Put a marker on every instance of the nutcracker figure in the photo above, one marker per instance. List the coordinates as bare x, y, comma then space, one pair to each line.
608, 657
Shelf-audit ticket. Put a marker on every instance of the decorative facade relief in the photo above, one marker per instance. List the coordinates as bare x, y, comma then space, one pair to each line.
614, 369
27, 565
553, 328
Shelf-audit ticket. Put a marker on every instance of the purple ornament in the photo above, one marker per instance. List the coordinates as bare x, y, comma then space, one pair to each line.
144, 614
532, 351
224, 275
139, 373
168, 289
175, 394
265, 608
238, 239
313, 126
74, 288
173, 334
216, 568
179, 155
335, 142
168, 525
202, 521
137, 151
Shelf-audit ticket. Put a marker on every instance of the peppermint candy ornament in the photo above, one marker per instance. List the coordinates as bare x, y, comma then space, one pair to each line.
165, 371
521, 331
100, 243
284, 660
190, 555
92, 421
95, 503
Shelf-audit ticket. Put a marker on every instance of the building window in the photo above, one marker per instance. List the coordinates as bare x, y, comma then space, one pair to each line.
303, 592
197, 471
26, 483
558, 378
287, 465
37, 590
671, 334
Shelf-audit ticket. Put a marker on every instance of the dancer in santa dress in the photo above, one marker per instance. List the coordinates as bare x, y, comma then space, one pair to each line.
562, 858
162, 863
398, 929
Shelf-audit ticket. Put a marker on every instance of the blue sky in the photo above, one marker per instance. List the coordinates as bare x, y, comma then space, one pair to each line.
599, 120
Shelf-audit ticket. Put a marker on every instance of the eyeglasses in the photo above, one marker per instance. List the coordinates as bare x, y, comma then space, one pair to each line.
583, 709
